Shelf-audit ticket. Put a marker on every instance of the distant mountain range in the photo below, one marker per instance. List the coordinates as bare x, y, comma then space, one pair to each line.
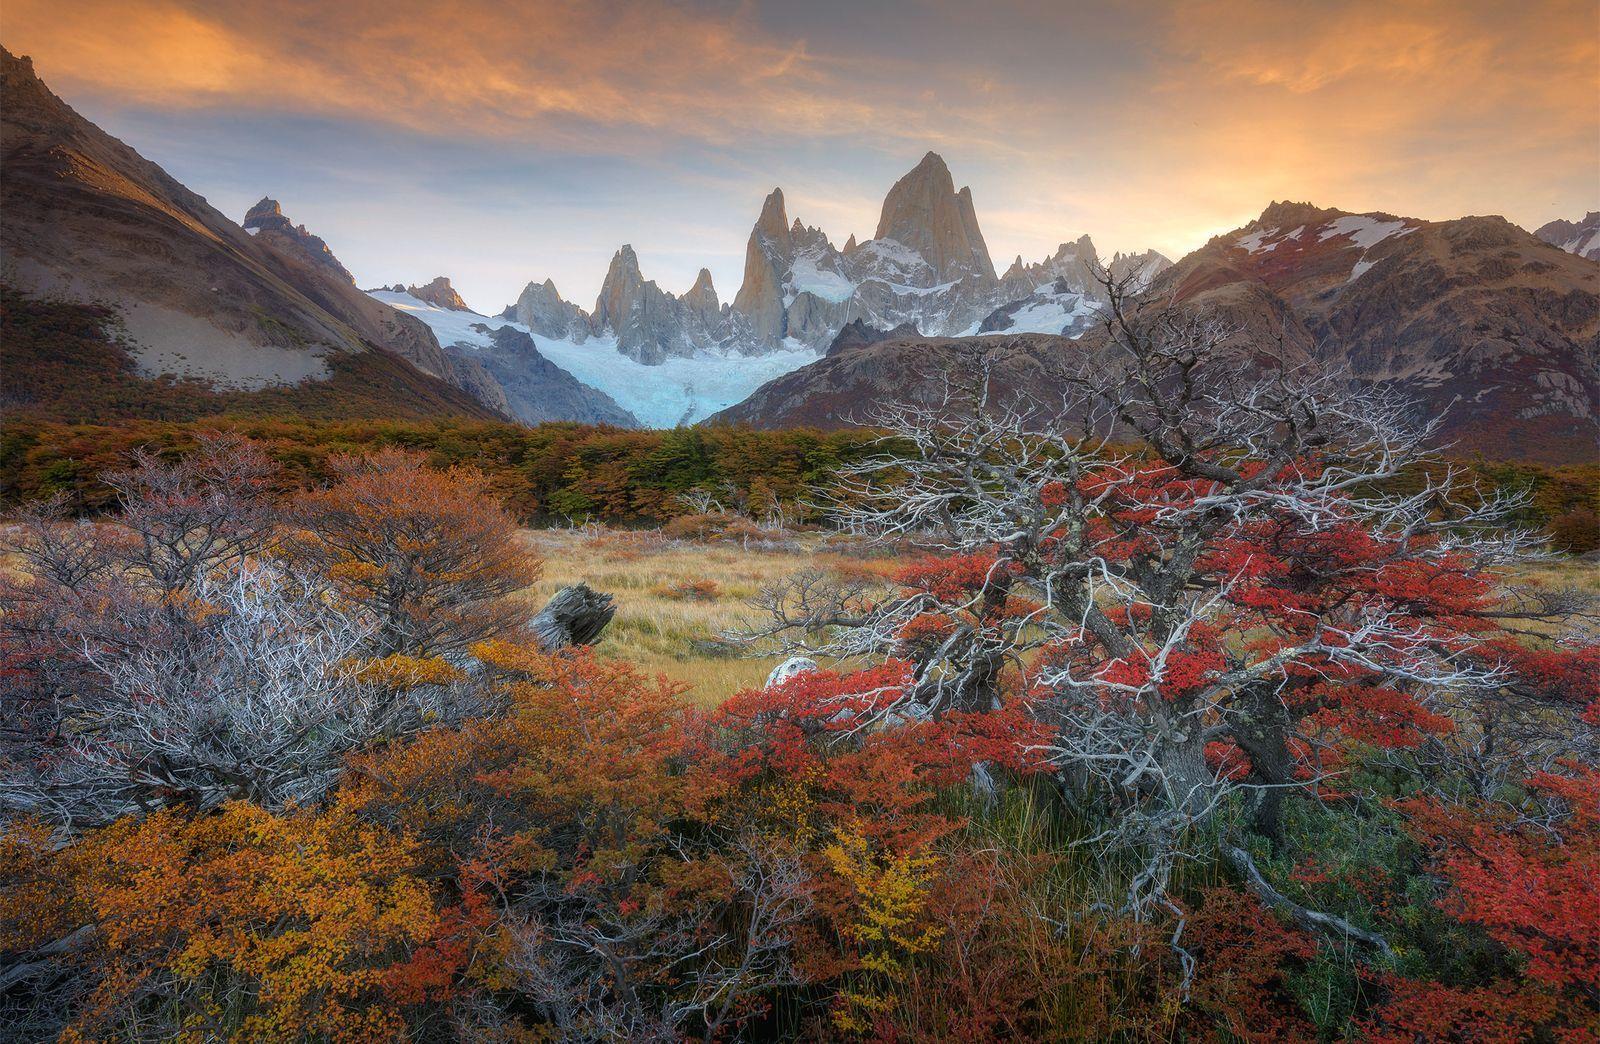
1482, 323
1575, 237
1477, 315
674, 360
927, 264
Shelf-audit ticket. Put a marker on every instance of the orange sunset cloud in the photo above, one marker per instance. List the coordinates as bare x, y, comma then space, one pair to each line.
1148, 124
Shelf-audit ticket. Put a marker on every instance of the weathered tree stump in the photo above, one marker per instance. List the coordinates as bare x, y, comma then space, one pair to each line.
575, 615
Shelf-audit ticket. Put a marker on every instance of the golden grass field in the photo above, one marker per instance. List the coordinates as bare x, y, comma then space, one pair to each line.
660, 631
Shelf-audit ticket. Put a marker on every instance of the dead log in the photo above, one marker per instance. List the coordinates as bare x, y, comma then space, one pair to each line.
575, 615
1335, 928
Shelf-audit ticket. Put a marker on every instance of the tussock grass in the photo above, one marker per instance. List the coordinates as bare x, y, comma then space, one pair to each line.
662, 632
1563, 572
659, 632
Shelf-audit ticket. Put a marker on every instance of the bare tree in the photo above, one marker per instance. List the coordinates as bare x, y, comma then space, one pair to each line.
699, 500
1126, 516
167, 657
597, 974
211, 507
253, 697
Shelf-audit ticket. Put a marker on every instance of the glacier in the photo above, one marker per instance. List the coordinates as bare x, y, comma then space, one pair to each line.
677, 391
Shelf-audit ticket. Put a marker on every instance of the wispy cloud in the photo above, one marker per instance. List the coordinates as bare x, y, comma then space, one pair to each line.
1143, 123
555, 69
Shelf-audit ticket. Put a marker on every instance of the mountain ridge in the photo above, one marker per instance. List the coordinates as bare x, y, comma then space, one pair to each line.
197, 297
928, 264
1488, 328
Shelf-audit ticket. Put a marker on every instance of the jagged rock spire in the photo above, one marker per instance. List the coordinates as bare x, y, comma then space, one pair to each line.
925, 212
440, 293
267, 217
766, 259
266, 214
540, 308
702, 296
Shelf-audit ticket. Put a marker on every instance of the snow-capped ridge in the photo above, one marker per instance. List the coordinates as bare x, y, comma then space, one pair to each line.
1575, 237
676, 390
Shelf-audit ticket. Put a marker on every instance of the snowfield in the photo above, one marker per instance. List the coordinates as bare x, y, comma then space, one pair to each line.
1052, 313
1582, 243
806, 278
1256, 242
1364, 232
679, 391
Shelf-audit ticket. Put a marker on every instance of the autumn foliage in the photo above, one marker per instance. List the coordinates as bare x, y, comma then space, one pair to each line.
284, 764
431, 555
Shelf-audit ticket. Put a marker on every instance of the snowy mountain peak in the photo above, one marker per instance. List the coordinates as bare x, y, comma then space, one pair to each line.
924, 212
928, 267
441, 293
1575, 237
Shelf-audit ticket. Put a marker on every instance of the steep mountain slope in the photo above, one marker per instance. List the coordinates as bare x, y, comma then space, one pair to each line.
1485, 326
69, 362
1575, 237
84, 218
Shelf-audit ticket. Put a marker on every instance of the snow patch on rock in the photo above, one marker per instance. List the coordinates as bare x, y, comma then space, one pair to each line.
1363, 231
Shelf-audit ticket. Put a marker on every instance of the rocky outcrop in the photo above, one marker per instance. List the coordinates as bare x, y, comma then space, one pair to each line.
441, 293
267, 216
857, 334
1575, 237
540, 308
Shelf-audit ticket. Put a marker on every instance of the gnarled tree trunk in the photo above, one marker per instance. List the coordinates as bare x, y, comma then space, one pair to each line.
575, 615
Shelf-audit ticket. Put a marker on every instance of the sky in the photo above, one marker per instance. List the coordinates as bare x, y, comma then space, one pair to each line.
501, 143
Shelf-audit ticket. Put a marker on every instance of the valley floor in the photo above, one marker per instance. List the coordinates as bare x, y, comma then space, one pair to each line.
667, 625
674, 598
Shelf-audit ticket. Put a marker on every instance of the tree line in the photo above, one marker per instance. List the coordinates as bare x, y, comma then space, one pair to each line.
562, 473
